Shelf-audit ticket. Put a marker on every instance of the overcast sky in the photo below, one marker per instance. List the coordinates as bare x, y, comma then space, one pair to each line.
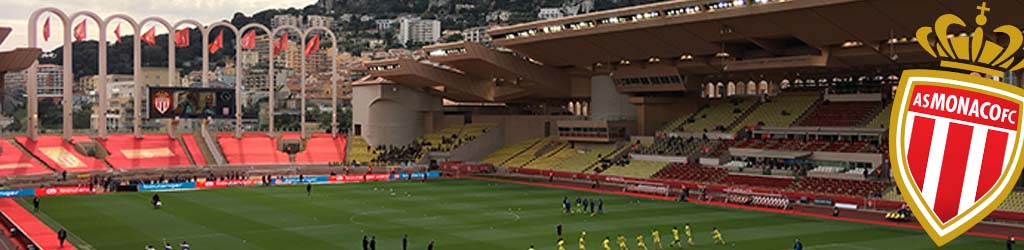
16, 14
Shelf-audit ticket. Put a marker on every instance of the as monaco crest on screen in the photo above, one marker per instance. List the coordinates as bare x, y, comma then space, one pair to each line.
162, 101
955, 138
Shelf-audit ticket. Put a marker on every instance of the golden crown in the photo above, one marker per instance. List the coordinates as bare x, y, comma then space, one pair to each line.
973, 52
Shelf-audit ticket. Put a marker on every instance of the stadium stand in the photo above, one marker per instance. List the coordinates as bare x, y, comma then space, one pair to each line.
780, 111
839, 114
673, 146
692, 172
858, 188
531, 153
717, 116
13, 161
252, 148
882, 119
321, 148
636, 168
150, 151
499, 157
193, 149
1013, 202
61, 155
572, 159
450, 138
360, 150
757, 181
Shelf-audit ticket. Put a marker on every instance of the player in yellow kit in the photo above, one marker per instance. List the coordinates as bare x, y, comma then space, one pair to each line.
622, 242
675, 238
640, 242
689, 234
583, 242
605, 243
561, 244
656, 237
716, 236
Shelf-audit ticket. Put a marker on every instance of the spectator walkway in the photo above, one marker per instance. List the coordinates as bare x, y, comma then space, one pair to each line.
40, 234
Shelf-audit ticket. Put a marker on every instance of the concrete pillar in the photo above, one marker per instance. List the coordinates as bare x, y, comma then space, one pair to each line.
606, 103
390, 114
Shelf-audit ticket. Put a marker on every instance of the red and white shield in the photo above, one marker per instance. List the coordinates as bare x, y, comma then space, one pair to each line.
955, 147
162, 101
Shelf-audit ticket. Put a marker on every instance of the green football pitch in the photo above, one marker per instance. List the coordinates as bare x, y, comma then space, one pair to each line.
456, 213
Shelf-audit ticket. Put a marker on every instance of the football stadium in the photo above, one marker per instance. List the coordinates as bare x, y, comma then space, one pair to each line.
494, 124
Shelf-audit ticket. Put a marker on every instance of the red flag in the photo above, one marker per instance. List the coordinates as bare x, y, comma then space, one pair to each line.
313, 45
217, 43
181, 38
149, 37
46, 30
80, 31
281, 44
249, 40
117, 33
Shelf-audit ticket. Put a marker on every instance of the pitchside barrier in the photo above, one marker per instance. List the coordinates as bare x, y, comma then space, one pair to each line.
291, 180
869, 203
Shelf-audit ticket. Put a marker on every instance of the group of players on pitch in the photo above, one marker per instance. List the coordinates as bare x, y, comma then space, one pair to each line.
716, 237
581, 206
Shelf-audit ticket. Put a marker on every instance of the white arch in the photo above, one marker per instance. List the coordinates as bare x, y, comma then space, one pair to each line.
763, 87
334, 80
270, 78
137, 64
751, 88
710, 90
730, 89
718, 89
68, 94
273, 33
238, 73
32, 84
104, 96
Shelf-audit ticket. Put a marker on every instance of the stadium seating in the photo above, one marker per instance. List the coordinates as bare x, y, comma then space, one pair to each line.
150, 151
692, 172
757, 181
1013, 202
193, 148
839, 114
252, 148
61, 155
857, 188
321, 148
531, 153
499, 157
572, 160
360, 150
672, 146
718, 114
781, 111
451, 138
13, 161
882, 119
636, 168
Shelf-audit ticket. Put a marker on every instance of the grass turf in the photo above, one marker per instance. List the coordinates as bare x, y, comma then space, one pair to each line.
457, 213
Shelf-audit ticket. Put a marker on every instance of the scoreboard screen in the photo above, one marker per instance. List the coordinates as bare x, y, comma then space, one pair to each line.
191, 103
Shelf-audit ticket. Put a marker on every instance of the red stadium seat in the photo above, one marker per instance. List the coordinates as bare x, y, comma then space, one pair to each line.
61, 155
150, 151
15, 162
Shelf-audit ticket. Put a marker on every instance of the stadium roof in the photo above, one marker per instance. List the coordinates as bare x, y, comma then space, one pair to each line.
703, 38
17, 59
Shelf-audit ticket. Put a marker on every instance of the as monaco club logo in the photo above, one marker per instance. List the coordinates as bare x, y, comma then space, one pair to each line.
162, 101
956, 138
